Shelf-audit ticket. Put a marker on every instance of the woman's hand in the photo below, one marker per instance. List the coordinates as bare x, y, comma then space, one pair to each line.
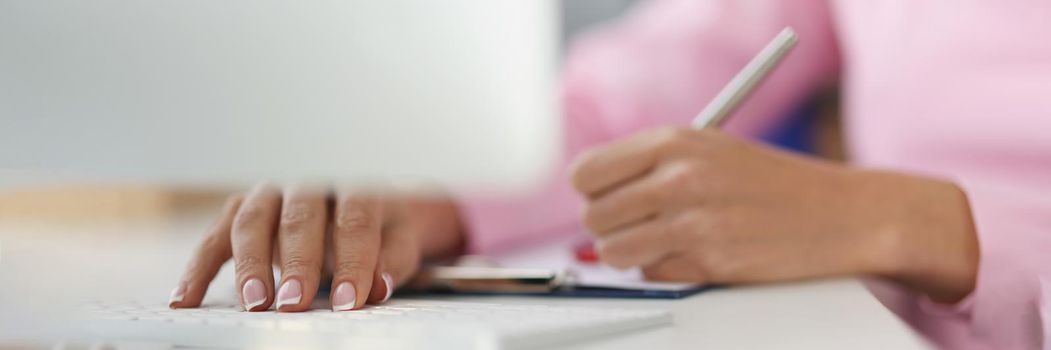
367, 243
699, 205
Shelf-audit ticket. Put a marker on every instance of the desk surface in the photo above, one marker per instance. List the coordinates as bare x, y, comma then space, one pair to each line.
143, 259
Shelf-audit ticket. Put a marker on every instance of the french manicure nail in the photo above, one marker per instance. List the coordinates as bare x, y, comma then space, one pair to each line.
345, 297
390, 285
253, 294
177, 294
290, 293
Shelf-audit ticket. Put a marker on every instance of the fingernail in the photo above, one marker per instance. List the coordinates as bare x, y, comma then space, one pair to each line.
390, 285
345, 297
176, 295
253, 294
290, 293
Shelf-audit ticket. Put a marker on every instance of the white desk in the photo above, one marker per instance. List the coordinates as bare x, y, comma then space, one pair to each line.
42, 266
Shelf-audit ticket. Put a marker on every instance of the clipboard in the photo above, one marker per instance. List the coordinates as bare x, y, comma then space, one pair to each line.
476, 280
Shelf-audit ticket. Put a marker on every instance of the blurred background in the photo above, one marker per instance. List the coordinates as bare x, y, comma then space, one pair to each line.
78, 204
813, 129
578, 15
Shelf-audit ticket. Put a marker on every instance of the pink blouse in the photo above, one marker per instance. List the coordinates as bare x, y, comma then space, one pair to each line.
953, 89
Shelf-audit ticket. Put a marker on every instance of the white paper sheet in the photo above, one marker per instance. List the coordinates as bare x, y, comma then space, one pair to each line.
559, 256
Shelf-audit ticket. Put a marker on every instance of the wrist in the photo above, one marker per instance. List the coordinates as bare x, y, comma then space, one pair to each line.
921, 234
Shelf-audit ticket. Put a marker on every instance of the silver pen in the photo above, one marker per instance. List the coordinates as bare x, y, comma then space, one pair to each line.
746, 80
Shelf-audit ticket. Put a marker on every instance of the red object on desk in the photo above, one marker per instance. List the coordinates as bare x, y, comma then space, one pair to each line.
585, 253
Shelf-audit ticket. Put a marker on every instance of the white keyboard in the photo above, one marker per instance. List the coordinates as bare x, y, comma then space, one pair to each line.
397, 324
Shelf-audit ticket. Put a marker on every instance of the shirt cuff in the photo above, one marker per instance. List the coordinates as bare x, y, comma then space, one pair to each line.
934, 308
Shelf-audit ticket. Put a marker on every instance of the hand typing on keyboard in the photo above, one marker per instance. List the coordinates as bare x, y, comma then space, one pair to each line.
367, 243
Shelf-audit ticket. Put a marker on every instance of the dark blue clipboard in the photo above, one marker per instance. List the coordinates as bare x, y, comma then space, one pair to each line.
581, 292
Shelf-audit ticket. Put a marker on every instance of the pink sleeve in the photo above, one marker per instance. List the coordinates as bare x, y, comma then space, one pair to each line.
1010, 307
659, 66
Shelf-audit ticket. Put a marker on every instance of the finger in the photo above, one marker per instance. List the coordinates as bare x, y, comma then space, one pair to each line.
399, 260
301, 241
603, 167
210, 256
632, 202
660, 190
384, 286
357, 220
677, 268
251, 239
638, 245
